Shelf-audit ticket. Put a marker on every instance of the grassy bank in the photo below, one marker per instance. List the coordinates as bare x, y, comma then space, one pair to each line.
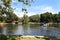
21, 23
3, 37
33, 23
20, 37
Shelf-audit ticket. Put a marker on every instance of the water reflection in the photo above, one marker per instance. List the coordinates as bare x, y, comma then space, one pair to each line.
46, 31
49, 30
29, 29
35, 29
26, 29
19, 30
1, 30
9, 29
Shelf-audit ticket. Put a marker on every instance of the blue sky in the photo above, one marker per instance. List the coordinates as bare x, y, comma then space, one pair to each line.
37, 7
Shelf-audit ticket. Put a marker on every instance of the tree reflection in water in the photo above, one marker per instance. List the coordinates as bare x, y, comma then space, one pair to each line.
1, 30
46, 31
25, 29
11, 28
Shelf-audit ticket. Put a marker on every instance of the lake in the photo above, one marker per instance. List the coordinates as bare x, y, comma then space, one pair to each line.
30, 29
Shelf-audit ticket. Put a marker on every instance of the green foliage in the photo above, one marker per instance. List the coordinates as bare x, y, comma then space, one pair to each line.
49, 17
7, 15
46, 17
34, 18
3, 37
26, 2
6, 2
56, 18
6, 12
20, 19
25, 19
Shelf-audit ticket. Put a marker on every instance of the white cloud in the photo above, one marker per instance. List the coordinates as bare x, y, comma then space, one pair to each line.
21, 14
31, 13
37, 8
44, 8
14, 1
47, 9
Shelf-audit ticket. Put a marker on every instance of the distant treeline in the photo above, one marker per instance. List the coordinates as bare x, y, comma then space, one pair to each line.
42, 18
7, 14
50, 17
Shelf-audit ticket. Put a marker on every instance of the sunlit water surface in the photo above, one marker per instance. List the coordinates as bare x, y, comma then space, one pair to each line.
30, 29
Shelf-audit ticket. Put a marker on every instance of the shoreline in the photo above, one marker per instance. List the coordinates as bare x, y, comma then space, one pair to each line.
30, 23
27, 37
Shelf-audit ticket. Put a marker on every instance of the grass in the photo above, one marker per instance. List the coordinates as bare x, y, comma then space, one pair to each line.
25, 38
33, 23
2, 37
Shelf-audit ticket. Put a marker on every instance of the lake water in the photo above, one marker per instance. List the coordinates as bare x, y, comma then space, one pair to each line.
30, 29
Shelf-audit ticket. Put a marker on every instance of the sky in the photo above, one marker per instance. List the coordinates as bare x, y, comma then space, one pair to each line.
37, 7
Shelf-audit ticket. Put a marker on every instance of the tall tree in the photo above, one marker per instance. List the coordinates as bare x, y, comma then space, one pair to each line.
34, 18
46, 17
25, 19
5, 8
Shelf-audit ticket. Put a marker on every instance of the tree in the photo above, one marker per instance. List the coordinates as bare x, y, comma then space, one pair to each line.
55, 18
46, 17
20, 19
26, 2
25, 19
59, 16
34, 18
5, 8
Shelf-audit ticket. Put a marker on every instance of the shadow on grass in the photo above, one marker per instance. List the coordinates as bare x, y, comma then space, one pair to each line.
2, 37
9, 37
